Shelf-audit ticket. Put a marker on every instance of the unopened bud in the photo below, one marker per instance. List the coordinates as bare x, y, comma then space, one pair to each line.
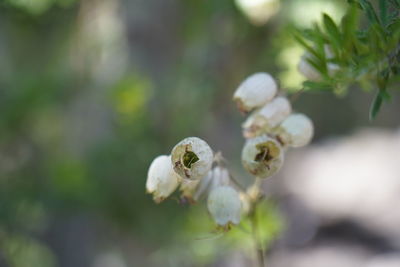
224, 205
192, 158
262, 156
255, 91
218, 176
296, 131
161, 178
266, 118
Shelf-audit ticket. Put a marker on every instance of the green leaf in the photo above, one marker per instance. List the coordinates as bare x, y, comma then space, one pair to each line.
317, 86
383, 12
349, 25
382, 96
354, 2
332, 31
311, 50
371, 14
375, 107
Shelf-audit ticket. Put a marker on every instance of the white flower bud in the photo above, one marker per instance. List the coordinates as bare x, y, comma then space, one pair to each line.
255, 91
224, 205
307, 69
266, 118
161, 178
262, 156
192, 158
218, 176
258, 11
296, 131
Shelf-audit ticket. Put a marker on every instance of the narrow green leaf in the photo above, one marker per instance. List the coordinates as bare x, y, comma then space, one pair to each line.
369, 9
353, 2
375, 107
311, 50
383, 12
317, 86
349, 25
332, 31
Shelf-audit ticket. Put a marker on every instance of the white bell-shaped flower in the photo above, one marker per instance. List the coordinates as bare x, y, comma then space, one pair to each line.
267, 118
307, 69
296, 130
161, 178
262, 156
255, 91
224, 205
192, 158
217, 176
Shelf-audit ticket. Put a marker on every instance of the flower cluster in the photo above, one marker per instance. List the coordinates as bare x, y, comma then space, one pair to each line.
271, 127
200, 174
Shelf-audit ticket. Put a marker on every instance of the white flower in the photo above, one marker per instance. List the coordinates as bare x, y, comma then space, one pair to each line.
266, 118
224, 205
296, 131
262, 156
307, 69
218, 176
258, 11
161, 178
192, 158
255, 91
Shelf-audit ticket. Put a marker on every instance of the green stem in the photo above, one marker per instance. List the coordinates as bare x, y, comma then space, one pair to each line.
256, 238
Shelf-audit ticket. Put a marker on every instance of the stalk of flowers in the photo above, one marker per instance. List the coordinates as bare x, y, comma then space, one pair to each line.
269, 130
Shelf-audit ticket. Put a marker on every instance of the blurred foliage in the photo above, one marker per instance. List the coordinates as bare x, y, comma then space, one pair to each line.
367, 56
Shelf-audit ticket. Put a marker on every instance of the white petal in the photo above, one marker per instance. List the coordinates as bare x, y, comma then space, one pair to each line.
224, 205
297, 130
255, 91
161, 178
256, 162
193, 170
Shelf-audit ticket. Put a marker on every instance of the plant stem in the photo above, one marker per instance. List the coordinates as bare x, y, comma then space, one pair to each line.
256, 237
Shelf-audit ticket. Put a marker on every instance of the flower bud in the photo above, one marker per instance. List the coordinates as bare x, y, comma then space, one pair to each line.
255, 91
262, 156
296, 131
307, 69
224, 205
192, 158
258, 11
218, 176
266, 118
161, 178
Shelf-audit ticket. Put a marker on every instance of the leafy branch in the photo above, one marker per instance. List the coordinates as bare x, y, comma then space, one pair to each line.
363, 49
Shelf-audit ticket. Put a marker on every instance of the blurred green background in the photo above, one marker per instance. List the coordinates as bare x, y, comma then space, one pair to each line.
92, 90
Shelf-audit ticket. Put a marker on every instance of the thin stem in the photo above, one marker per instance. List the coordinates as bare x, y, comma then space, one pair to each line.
259, 250
296, 95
